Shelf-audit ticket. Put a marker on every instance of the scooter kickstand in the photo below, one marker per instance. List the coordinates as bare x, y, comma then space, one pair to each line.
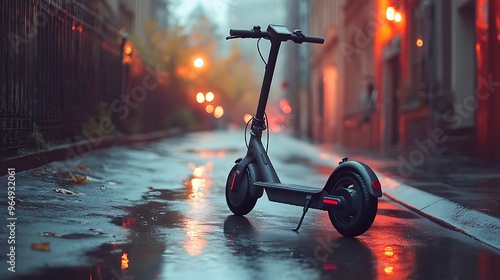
306, 207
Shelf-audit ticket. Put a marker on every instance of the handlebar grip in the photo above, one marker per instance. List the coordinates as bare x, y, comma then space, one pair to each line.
242, 33
316, 40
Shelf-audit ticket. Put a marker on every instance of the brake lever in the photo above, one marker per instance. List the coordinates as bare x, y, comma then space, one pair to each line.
232, 37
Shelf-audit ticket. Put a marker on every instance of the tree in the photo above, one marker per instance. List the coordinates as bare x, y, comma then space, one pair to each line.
173, 49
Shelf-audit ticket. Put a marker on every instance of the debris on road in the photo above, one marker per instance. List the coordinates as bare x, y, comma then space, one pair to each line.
44, 246
64, 191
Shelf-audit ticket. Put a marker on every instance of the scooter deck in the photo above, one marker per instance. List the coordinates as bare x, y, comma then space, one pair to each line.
290, 187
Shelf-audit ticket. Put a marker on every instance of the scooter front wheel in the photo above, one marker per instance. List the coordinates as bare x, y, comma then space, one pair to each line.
360, 208
238, 197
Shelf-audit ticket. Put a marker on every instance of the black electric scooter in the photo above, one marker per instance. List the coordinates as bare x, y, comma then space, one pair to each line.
350, 193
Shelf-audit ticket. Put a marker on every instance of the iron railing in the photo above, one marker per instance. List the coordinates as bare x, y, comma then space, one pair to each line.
62, 66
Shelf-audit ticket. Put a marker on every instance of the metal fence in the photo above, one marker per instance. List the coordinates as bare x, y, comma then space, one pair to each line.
62, 66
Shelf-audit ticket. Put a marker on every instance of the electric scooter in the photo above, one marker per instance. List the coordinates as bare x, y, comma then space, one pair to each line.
351, 192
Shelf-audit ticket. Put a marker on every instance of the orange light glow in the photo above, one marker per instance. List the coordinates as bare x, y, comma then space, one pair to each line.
221, 154
419, 42
197, 184
287, 109
389, 269
128, 49
200, 97
218, 112
198, 62
397, 17
128, 222
247, 118
209, 97
390, 13
194, 243
124, 261
388, 251
209, 109
198, 171
285, 106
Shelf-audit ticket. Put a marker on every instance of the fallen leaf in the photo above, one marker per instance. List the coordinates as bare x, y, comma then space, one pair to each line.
79, 179
44, 246
64, 191
46, 233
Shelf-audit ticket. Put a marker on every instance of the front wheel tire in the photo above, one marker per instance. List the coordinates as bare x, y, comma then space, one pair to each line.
239, 200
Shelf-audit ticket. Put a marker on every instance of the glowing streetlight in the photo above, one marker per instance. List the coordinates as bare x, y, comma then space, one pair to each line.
389, 13
419, 42
209, 109
247, 118
200, 97
218, 112
209, 97
128, 49
397, 17
198, 62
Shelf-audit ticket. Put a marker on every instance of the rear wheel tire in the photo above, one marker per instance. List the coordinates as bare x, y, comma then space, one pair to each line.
356, 217
239, 200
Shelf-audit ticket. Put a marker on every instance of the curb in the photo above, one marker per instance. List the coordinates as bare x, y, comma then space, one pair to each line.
73, 150
470, 222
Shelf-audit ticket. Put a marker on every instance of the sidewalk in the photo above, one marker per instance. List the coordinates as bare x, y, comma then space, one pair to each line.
457, 191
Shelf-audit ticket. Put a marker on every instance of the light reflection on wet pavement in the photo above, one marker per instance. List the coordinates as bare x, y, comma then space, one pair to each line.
164, 215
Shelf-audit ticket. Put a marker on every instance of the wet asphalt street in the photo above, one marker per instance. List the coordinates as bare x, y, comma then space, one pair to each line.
157, 211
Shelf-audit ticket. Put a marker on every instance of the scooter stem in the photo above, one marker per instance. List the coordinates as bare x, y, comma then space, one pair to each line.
258, 122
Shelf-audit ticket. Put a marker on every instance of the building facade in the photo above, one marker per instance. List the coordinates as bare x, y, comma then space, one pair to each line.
419, 74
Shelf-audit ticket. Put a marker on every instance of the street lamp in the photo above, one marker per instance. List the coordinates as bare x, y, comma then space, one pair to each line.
391, 14
209, 97
198, 62
218, 112
200, 97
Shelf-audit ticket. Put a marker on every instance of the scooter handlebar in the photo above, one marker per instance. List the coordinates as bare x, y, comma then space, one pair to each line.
315, 40
299, 39
256, 32
252, 33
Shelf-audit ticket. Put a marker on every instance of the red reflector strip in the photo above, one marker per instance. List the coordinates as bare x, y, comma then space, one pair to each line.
376, 185
330, 201
329, 266
233, 181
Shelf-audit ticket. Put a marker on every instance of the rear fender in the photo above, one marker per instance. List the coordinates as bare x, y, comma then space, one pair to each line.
364, 171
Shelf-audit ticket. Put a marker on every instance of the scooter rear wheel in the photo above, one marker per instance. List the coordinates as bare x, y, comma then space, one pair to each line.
238, 199
356, 217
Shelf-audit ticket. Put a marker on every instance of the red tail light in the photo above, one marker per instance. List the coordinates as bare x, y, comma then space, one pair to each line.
330, 201
376, 185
